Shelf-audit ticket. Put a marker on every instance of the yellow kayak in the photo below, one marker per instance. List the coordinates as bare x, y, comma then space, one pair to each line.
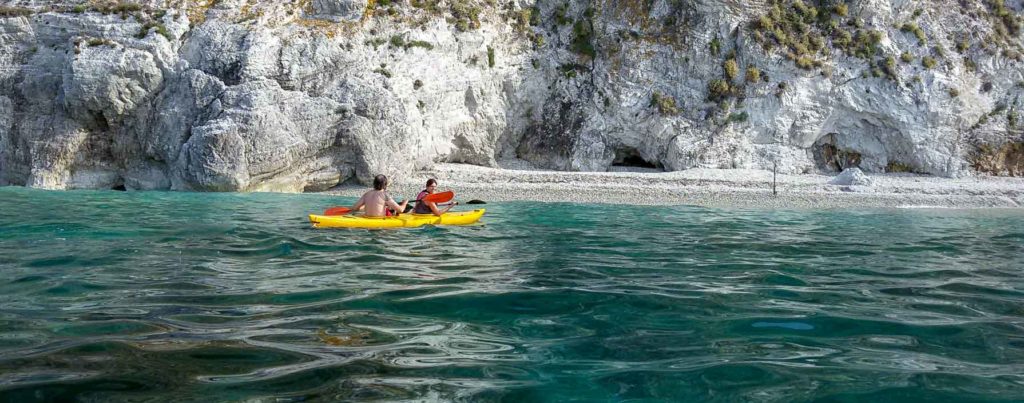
404, 220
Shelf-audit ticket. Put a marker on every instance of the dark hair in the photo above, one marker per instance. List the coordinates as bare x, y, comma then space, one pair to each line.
431, 181
380, 182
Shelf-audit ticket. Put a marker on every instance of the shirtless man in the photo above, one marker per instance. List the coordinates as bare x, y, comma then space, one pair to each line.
377, 201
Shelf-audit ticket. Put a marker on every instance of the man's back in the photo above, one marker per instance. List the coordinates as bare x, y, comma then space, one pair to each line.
374, 201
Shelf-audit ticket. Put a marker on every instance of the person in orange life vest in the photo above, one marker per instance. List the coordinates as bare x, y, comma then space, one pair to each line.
426, 207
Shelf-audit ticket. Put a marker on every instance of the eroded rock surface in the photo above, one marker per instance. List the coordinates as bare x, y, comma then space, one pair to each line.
239, 96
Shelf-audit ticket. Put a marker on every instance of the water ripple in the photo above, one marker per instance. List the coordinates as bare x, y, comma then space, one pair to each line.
235, 297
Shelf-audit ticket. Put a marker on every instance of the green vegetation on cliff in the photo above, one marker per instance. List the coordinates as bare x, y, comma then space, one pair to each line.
804, 32
6, 11
665, 104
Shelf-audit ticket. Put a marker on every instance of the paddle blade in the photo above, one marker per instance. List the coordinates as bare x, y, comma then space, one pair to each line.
337, 211
442, 197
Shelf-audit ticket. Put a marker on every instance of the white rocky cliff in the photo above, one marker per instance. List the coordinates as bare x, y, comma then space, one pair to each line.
237, 95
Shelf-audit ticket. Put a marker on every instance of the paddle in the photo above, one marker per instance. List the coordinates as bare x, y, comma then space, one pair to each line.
441, 197
337, 211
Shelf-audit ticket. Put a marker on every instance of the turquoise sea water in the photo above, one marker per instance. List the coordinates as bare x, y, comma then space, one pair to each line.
176, 296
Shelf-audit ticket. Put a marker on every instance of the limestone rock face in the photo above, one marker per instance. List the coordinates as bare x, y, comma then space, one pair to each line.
255, 131
6, 121
108, 83
283, 96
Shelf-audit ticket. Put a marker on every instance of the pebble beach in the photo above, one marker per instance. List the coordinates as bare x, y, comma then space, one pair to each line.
729, 188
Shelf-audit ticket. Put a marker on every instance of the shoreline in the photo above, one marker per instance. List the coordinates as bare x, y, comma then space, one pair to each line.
733, 188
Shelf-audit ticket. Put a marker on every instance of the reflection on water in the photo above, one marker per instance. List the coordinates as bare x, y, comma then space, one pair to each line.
113, 295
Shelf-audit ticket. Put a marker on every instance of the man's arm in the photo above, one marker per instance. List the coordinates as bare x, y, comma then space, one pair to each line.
398, 207
359, 205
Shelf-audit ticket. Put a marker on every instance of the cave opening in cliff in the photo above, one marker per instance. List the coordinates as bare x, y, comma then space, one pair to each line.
99, 121
830, 157
630, 158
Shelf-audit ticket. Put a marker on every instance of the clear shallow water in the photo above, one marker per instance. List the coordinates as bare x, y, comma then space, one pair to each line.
131, 296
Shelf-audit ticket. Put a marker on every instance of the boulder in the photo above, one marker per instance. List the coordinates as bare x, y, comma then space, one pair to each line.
851, 177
